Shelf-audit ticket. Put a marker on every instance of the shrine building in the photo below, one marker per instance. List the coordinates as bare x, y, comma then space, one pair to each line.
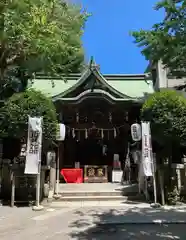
97, 110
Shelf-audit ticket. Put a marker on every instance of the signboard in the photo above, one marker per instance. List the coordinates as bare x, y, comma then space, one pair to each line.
25, 185
25, 188
34, 144
117, 176
95, 174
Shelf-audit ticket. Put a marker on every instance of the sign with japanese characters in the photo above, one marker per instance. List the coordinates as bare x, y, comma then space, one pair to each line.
95, 174
34, 142
147, 158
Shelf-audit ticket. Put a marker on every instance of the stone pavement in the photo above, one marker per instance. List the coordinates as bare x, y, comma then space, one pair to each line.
83, 222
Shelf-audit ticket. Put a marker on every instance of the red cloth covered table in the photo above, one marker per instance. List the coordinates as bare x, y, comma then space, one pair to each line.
72, 175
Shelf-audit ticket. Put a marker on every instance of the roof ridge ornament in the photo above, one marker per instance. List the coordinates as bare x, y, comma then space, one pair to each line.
93, 65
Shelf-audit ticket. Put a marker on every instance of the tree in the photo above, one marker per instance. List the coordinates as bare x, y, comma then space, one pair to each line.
166, 40
14, 115
166, 112
38, 35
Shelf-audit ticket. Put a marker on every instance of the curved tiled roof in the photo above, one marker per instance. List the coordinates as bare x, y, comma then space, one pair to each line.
125, 85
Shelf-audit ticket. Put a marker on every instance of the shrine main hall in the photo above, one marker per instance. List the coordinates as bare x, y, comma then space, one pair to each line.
97, 110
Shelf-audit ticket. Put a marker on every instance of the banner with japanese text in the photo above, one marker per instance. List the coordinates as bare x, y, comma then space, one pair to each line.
147, 157
34, 145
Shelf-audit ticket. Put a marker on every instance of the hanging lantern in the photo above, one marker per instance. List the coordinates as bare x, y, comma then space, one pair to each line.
136, 132
51, 157
61, 132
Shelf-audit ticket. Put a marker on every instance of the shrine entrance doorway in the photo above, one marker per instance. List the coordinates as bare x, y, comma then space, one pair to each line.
96, 130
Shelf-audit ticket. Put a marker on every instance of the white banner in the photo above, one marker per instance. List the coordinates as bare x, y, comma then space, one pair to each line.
34, 145
147, 158
61, 132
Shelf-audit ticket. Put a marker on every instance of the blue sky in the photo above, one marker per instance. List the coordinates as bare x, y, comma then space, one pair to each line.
107, 33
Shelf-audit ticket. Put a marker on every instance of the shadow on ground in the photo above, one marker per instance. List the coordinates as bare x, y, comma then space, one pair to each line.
120, 224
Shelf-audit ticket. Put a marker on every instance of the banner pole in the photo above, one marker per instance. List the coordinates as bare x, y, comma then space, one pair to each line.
37, 206
154, 180
60, 139
38, 184
57, 173
153, 157
153, 167
154, 183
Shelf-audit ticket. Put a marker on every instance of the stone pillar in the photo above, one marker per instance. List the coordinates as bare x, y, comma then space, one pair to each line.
52, 178
184, 162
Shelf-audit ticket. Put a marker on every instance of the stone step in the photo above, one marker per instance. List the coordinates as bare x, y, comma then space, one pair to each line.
95, 193
91, 198
84, 198
79, 204
130, 190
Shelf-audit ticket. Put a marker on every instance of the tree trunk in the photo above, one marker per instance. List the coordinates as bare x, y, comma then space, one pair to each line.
172, 183
161, 182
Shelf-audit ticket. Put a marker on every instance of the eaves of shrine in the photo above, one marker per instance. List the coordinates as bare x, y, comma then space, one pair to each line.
74, 88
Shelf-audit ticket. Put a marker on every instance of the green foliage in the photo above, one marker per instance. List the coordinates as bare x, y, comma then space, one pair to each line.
173, 197
166, 40
14, 115
166, 110
39, 35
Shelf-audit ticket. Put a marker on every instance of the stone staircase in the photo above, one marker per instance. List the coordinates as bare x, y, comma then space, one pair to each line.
97, 192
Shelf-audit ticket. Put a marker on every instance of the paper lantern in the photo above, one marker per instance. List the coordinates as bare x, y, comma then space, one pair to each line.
61, 132
136, 132
51, 157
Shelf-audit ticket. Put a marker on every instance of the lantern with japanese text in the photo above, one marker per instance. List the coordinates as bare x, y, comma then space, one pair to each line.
61, 132
136, 132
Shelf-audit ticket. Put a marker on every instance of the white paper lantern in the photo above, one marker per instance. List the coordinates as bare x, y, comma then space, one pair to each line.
136, 132
61, 132
51, 157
